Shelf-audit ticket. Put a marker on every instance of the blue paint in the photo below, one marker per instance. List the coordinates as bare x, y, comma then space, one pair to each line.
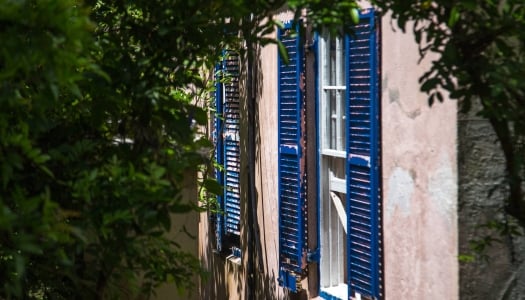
363, 240
328, 296
227, 153
219, 156
290, 181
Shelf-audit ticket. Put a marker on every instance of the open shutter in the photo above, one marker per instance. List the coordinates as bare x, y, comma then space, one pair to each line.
228, 152
219, 156
363, 200
232, 154
291, 169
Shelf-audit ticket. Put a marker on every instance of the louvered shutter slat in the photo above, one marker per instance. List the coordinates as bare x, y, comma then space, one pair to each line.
291, 188
227, 152
364, 260
218, 154
232, 204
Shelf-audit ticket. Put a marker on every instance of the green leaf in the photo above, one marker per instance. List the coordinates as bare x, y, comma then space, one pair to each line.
200, 116
165, 221
157, 172
454, 17
278, 23
466, 258
213, 186
283, 52
439, 96
430, 84
31, 248
354, 15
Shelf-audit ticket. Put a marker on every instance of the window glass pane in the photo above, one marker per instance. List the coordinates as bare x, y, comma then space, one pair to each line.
333, 119
325, 44
340, 49
333, 93
340, 102
333, 69
333, 225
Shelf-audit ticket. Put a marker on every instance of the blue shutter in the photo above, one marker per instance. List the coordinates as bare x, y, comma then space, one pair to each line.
363, 197
228, 151
232, 154
291, 168
219, 156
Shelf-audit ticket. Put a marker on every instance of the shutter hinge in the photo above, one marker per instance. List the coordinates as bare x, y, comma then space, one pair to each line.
310, 45
290, 280
236, 252
313, 255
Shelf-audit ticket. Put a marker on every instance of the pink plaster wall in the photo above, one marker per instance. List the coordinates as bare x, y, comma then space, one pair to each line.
419, 179
266, 171
419, 186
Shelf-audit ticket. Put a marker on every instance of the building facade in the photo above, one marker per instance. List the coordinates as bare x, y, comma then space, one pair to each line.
340, 181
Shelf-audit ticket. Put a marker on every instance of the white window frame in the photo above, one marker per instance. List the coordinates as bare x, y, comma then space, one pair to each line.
331, 157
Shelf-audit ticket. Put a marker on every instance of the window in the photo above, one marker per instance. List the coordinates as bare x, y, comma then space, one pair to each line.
348, 188
227, 153
332, 172
348, 160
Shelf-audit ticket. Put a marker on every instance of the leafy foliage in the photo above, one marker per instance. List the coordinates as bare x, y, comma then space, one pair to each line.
97, 134
99, 111
39, 59
98, 128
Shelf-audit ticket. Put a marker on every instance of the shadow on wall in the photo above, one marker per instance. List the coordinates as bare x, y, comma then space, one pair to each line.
266, 279
181, 225
214, 286
265, 283
264, 240
259, 242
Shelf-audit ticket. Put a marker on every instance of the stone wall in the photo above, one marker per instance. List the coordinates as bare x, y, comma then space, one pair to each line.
499, 271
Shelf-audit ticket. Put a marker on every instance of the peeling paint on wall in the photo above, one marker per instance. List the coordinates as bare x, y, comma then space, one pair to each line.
442, 187
399, 192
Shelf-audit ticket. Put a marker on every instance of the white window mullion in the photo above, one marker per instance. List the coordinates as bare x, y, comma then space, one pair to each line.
334, 87
325, 227
340, 259
323, 71
331, 239
333, 94
333, 120
338, 117
324, 125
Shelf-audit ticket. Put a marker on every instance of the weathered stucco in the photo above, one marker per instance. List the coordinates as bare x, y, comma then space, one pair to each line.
229, 279
499, 271
419, 179
419, 187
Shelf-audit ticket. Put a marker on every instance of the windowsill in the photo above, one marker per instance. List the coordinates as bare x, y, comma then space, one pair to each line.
338, 292
231, 256
232, 265
233, 260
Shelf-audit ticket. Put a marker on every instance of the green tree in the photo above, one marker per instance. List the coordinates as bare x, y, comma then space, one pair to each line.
98, 122
43, 49
98, 127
